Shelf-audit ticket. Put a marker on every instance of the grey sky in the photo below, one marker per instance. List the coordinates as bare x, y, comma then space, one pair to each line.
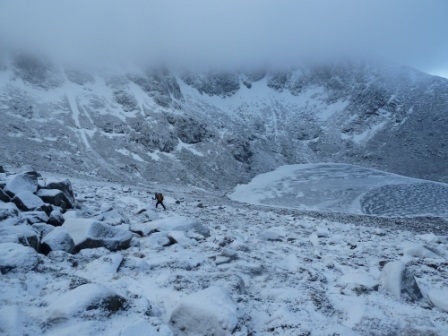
231, 32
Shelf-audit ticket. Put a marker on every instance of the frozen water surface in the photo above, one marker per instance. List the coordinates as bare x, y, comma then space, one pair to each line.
347, 189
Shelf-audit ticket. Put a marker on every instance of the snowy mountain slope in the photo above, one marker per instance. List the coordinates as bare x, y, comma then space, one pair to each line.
217, 129
209, 265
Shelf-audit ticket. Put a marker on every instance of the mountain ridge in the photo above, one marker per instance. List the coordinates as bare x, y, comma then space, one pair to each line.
216, 129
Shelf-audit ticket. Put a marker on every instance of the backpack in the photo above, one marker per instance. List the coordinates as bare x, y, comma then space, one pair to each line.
159, 197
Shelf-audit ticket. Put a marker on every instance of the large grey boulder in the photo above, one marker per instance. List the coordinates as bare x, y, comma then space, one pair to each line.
85, 298
57, 240
56, 218
52, 196
211, 311
21, 183
20, 234
179, 223
35, 217
89, 233
27, 201
17, 257
397, 280
42, 229
65, 186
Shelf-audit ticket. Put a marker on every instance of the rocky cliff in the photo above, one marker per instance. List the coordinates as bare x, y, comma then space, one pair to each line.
216, 128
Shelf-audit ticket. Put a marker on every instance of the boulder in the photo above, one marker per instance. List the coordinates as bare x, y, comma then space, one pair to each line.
418, 251
17, 257
398, 281
52, 196
439, 298
21, 183
142, 229
159, 239
8, 210
112, 217
56, 218
35, 217
4, 196
20, 234
179, 223
208, 312
66, 187
57, 240
103, 267
27, 201
89, 233
42, 229
85, 298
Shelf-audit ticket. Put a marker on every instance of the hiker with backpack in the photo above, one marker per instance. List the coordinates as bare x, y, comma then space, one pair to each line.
159, 198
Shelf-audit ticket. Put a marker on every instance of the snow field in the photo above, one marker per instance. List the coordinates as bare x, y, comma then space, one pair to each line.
211, 265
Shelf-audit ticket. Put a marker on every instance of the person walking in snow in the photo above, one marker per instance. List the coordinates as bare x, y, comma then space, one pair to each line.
159, 198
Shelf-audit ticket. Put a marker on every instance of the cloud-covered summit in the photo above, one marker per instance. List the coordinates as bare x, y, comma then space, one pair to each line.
217, 33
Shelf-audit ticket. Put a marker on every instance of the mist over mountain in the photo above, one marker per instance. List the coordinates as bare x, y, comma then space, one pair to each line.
216, 128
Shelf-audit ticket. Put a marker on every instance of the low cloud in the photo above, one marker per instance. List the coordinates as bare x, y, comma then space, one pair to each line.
228, 33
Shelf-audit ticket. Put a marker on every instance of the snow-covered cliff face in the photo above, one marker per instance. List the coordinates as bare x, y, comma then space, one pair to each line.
217, 129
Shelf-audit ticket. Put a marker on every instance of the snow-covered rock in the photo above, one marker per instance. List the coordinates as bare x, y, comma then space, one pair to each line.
322, 232
439, 298
142, 229
112, 217
17, 257
8, 210
89, 233
419, 251
66, 187
57, 240
211, 311
181, 237
42, 228
399, 282
52, 196
159, 239
56, 218
35, 217
20, 234
70, 214
103, 267
272, 235
430, 238
180, 223
21, 183
82, 299
27, 201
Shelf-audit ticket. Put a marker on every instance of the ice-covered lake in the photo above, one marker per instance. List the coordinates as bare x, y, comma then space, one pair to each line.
345, 188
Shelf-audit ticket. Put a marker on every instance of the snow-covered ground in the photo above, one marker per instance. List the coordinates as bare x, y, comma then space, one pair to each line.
212, 266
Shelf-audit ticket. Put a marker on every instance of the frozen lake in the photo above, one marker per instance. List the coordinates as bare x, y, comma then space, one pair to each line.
347, 189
